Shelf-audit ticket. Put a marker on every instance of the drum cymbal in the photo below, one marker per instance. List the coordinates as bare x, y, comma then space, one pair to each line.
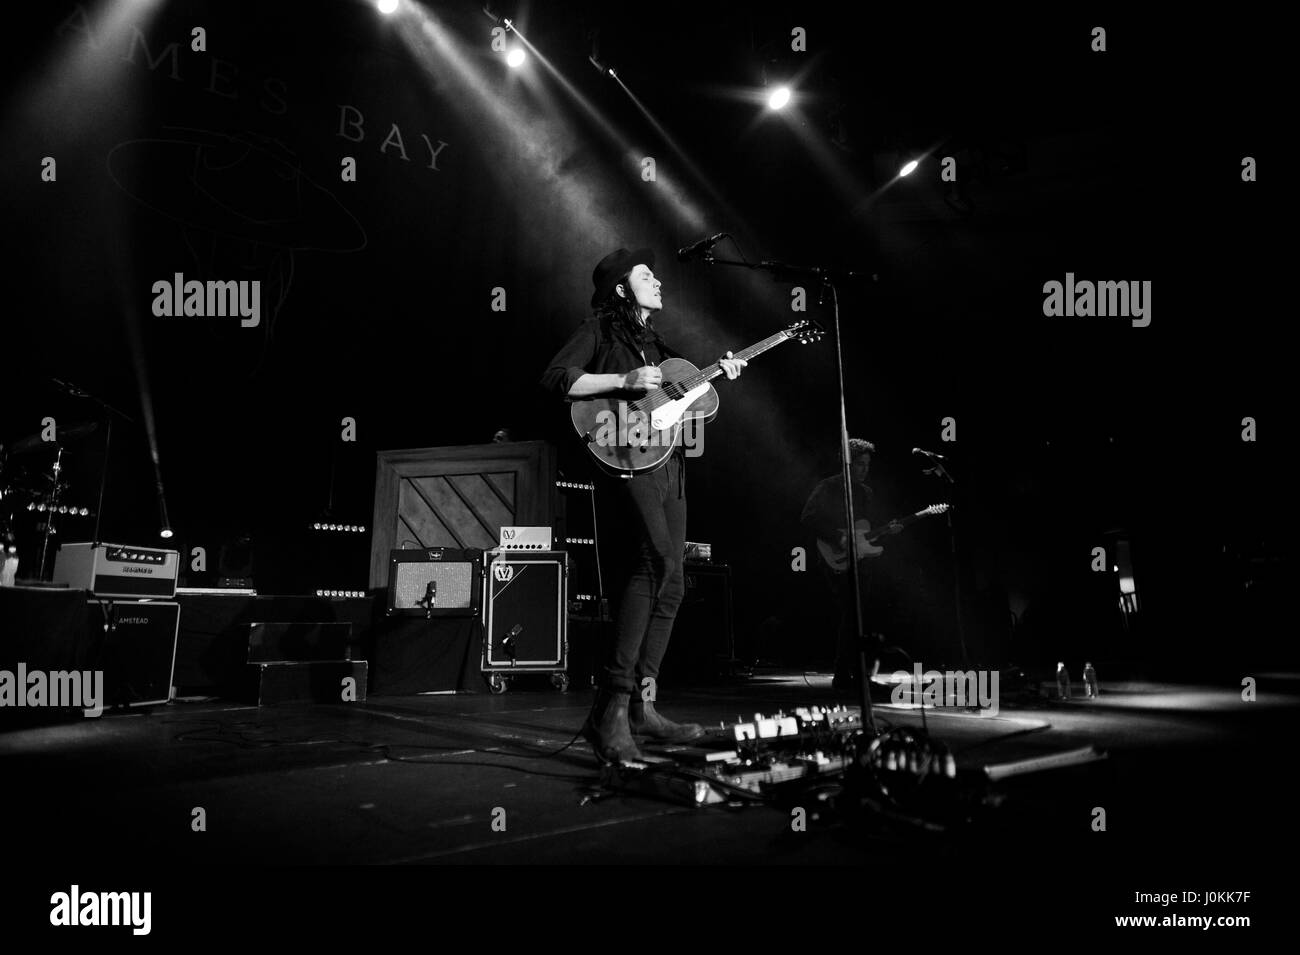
72, 432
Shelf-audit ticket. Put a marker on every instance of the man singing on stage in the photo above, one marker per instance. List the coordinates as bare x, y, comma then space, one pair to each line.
617, 352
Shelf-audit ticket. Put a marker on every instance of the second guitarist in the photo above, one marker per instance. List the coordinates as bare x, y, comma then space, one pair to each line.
617, 352
823, 517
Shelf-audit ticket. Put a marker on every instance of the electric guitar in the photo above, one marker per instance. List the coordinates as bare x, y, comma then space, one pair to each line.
837, 558
635, 436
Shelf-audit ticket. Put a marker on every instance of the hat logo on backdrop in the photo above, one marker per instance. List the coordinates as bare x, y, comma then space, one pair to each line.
243, 201
250, 195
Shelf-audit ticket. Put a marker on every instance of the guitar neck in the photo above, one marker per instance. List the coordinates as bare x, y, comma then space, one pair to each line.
747, 354
901, 522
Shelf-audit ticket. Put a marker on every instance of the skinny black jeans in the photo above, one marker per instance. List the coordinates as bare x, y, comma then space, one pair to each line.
649, 531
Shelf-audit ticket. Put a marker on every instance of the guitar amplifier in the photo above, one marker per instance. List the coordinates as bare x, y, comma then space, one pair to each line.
137, 651
115, 570
525, 618
434, 582
525, 538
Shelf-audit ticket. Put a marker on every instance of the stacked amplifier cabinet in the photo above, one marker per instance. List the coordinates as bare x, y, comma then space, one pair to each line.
133, 622
588, 606
578, 538
525, 618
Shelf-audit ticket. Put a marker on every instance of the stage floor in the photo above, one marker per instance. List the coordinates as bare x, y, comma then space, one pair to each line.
399, 780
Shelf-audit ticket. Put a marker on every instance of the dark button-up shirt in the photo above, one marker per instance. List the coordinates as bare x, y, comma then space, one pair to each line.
597, 347
823, 515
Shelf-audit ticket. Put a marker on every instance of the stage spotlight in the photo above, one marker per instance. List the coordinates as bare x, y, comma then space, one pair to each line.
164, 522
909, 168
387, 6
780, 96
515, 58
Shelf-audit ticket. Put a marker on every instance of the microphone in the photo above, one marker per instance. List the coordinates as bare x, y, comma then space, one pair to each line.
691, 251
929, 454
430, 598
508, 644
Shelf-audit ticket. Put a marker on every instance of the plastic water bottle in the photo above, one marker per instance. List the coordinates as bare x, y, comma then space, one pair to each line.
1090, 682
1062, 682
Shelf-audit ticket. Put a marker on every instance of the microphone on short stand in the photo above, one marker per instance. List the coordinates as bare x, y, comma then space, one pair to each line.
691, 251
929, 454
508, 642
430, 598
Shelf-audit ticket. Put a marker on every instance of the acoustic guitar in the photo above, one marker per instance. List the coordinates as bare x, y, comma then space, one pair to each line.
627, 437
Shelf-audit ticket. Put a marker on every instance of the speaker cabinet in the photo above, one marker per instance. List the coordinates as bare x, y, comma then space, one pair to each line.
136, 650
524, 611
434, 582
702, 647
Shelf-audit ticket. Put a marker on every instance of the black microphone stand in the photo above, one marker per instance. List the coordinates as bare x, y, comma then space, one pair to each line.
783, 271
108, 411
937, 469
850, 536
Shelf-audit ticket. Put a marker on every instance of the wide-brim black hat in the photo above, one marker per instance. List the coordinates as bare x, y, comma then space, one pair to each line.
613, 267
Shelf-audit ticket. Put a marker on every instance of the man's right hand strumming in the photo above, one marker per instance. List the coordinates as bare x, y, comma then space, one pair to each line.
643, 379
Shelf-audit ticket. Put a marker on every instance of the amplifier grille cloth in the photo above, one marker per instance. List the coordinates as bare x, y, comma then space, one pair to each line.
453, 578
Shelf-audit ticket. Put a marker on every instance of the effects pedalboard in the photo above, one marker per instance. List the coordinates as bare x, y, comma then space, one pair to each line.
747, 760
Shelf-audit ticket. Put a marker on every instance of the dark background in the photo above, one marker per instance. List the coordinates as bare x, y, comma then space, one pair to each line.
1123, 165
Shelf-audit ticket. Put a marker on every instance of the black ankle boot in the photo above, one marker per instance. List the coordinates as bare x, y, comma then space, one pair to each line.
646, 722
606, 729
